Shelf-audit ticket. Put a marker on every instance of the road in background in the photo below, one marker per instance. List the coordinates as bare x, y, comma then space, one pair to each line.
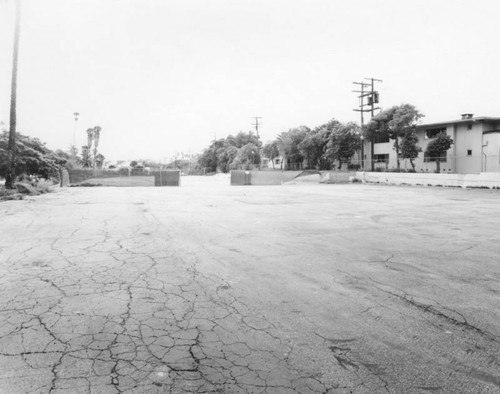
282, 289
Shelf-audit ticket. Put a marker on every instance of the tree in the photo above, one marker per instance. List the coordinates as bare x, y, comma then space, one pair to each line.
225, 156
208, 159
344, 141
93, 135
270, 150
73, 151
97, 134
438, 148
32, 158
222, 153
393, 123
312, 148
248, 156
409, 148
99, 160
86, 161
326, 130
241, 139
11, 152
288, 145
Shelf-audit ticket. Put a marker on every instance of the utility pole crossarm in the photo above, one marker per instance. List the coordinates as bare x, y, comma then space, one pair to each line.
374, 80
364, 110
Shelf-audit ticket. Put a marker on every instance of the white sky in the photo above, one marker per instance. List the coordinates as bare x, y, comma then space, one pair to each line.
162, 76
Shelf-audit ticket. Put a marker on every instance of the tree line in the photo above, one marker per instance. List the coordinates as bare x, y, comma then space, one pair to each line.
32, 158
301, 147
327, 146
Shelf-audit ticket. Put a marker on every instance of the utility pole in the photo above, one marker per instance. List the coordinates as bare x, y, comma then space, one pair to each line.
372, 98
257, 124
362, 85
12, 150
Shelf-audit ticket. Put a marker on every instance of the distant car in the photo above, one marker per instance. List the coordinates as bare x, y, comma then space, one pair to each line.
112, 168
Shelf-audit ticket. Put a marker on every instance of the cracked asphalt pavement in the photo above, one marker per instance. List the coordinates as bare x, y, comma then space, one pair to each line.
209, 288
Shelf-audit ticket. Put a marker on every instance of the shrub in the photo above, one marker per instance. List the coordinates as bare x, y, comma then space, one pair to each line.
26, 188
138, 171
44, 186
9, 194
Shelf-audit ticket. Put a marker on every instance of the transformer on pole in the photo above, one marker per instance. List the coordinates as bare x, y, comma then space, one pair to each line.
372, 98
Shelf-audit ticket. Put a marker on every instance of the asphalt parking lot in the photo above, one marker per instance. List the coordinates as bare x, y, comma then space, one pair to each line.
209, 288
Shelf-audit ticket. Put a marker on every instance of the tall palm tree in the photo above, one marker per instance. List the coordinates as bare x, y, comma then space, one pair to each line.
97, 133
11, 153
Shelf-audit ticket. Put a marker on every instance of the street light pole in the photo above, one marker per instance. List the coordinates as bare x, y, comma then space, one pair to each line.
76, 115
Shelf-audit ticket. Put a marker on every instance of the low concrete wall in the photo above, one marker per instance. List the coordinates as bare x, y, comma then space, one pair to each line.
272, 178
240, 177
82, 174
167, 178
336, 176
489, 180
125, 178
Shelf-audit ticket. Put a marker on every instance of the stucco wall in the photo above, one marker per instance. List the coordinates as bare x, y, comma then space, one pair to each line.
491, 152
482, 180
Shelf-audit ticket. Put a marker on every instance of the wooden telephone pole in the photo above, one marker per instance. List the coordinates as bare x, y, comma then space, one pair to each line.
372, 97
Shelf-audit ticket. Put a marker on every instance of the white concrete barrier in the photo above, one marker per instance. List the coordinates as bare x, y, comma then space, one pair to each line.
490, 180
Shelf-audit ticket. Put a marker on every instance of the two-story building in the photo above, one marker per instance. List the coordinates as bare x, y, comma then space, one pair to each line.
475, 149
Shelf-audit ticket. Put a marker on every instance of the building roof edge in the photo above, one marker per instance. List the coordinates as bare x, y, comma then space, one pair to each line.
458, 121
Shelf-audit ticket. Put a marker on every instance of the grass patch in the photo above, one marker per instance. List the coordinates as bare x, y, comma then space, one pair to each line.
118, 181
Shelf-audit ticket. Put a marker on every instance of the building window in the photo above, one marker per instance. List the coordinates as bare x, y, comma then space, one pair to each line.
469, 126
276, 161
431, 133
381, 158
469, 152
428, 159
380, 139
